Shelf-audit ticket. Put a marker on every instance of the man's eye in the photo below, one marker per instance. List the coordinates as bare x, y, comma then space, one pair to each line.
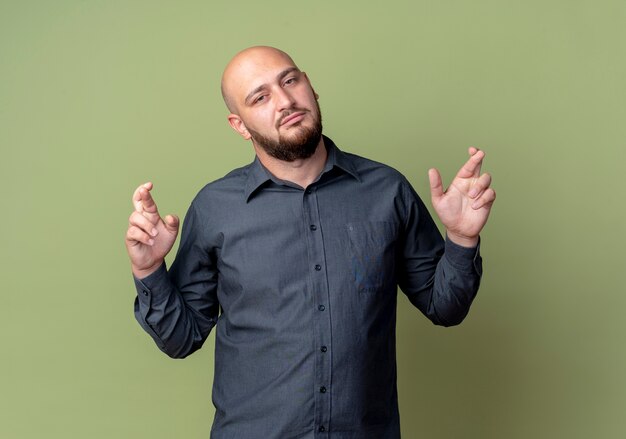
290, 81
259, 99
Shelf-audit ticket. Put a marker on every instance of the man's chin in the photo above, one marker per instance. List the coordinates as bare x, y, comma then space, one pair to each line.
295, 142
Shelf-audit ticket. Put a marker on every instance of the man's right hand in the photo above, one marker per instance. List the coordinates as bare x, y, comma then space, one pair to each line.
149, 237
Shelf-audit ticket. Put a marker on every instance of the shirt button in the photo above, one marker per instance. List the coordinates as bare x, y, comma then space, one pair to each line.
313, 227
145, 293
322, 428
321, 307
322, 389
308, 191
318, 267
323, 349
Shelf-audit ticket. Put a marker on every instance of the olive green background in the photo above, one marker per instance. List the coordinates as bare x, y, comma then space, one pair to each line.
97, 97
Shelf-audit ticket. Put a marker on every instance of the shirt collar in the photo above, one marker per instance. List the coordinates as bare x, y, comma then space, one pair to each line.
258, 175
337, 158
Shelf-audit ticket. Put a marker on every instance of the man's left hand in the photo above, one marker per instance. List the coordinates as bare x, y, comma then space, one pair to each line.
464, 207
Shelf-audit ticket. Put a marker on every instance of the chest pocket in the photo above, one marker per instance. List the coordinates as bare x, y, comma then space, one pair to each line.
372, 255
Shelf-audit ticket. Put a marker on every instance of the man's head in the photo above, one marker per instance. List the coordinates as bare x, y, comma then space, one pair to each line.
272, 102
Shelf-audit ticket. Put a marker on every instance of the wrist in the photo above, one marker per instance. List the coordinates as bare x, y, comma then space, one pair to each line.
463, 241
141, 273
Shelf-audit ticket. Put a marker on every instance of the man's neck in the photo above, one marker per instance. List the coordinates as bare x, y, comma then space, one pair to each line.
301, 172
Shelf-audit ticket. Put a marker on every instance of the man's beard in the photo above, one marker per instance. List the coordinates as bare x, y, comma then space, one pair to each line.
301, 146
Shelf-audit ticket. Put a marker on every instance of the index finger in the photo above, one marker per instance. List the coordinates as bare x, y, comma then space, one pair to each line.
138, 201
471, 168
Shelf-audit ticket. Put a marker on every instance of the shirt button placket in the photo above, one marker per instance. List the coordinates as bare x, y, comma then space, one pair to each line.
315, 244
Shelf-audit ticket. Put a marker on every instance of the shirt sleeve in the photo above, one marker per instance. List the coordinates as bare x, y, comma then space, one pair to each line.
439, 277
178, 308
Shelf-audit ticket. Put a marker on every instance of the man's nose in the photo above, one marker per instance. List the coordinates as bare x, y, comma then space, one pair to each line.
284, 100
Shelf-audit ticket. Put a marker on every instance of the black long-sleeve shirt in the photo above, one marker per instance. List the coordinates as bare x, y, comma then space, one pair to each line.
301, 286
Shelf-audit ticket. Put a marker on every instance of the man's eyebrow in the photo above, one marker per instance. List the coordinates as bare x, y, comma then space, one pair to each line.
285, 72
279, 77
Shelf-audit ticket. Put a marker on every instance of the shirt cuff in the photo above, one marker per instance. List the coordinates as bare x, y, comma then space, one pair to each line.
467, 259
153, 288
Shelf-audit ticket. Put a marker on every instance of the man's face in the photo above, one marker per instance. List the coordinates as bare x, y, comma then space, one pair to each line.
276, 105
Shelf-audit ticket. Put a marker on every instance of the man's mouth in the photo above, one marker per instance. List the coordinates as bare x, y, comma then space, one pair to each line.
292, 118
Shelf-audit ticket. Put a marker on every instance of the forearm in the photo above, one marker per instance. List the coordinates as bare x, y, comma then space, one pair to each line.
162, 311
456, 281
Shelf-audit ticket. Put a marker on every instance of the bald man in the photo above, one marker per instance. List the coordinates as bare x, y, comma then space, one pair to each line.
295, 259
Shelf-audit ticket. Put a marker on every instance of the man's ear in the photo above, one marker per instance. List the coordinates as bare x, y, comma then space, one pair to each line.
237, 124
309, 81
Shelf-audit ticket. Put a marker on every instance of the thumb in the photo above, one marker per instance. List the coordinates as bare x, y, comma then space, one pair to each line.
436, 187
171, 223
